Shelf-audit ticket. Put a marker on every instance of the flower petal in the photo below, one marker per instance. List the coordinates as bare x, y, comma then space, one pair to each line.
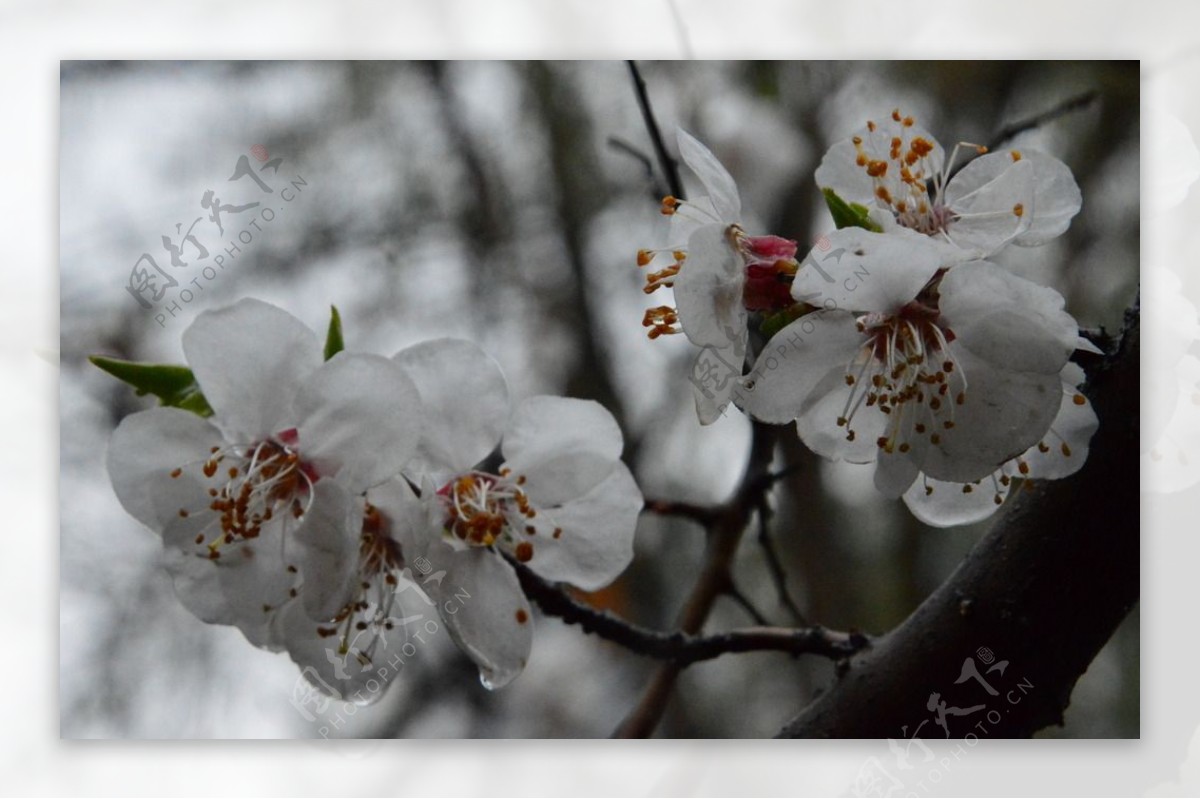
484, 609
257, 584
1064, 449
942, 504
1056, 196
708, 290
360, 419
1004, 413
564, 447
818, 427
465, 398
588, 541
1056, 199
197, 585
840, 170
865, 271
249, 359
1007, 320
990, 209
722, 191
145, 449
811, 352
714, 378
328, 557
371, 660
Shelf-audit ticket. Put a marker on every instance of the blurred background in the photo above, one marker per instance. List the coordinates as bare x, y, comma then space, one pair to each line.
505, 203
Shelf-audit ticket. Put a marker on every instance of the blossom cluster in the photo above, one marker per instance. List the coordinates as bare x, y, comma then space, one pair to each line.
326, 498
895, 342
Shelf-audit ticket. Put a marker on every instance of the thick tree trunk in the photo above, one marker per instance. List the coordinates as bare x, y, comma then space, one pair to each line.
1043, 590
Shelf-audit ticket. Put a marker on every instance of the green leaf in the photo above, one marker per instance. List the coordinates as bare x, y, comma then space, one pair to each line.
333, 339
773, 323
175, 386
849, 214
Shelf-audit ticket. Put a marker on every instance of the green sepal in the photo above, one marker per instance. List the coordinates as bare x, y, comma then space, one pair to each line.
334, 343
849, 214
175, 386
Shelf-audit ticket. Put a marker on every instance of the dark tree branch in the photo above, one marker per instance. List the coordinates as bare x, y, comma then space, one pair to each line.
624, 147
679, 648
702, 514
774, 564
666, 163
736, 594
1011, 131
1044, 590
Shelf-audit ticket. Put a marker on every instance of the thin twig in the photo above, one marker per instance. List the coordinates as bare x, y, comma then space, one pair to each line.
625, 148
680, 648
774, 564
667, 164
735, 593
723, 539
704, 514
1010, 132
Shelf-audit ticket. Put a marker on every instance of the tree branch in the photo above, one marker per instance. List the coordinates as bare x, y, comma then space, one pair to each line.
670, 169
1044, 590
681, 649
715, 576
1011, 131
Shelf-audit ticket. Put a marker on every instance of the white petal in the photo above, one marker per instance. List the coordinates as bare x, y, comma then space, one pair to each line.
465, 398
596, 540
840, 171
713, 378
991, 209
564, 447
1007, 320
817, 422
373, 658
485, 611
360, 419
795, 362
717, 181
1056, 199
947, 505
1067, 441
1004, 413
708, 290
327, 555
865, 271
145, 449
249, 359
197, 585
257, 584
408, 516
